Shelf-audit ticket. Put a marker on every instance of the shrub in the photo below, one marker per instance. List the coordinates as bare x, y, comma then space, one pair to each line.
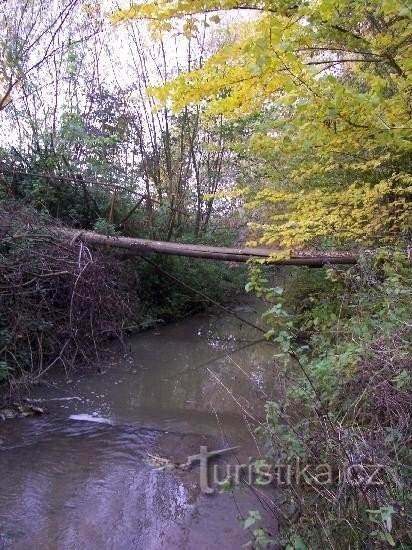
345, 361
58, 300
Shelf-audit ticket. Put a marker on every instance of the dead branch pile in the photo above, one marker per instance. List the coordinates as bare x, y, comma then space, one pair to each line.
58, 299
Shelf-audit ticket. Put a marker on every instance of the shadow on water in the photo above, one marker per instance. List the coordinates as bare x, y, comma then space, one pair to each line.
80, 477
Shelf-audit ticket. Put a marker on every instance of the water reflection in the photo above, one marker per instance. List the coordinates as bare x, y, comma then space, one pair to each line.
78, 478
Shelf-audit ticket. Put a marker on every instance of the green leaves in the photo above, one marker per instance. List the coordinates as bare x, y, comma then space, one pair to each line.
284, 340
252, 518
383, 516
277, 309
261, 537
5, 370
104, 227
297, 543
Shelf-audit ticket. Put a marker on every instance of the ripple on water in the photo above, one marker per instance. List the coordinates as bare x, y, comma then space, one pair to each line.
78, 477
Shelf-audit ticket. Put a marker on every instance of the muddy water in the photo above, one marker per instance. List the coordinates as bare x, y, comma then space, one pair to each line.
84, 477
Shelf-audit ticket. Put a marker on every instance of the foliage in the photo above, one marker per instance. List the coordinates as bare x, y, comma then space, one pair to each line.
359, 213
322, 91
104, 227
167, 298
331, 82
344, 339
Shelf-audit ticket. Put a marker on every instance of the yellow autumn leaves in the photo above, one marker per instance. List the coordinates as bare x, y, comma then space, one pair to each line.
360, 213
330, 83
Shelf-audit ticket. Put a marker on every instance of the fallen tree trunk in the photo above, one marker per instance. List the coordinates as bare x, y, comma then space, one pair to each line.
145, 246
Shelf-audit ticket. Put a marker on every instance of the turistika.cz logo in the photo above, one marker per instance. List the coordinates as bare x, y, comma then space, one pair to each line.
294, 472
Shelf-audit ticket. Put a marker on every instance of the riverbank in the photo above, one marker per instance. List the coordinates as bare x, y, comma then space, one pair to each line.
60, 301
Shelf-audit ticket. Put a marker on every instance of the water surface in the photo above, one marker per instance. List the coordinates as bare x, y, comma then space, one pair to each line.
81, 476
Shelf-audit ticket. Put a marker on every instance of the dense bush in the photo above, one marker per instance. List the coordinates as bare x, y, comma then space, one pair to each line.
170, 292
345, 339
58, 300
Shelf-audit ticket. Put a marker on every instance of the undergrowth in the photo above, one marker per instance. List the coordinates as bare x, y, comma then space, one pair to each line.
61, 302
345, 340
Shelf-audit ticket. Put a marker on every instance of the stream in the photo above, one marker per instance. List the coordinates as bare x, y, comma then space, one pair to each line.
89, 475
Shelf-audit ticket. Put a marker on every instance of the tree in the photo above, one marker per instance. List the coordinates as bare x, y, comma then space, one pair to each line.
330, 83
32, 33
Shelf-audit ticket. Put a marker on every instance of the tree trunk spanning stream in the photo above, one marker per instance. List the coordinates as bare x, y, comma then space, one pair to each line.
145, 246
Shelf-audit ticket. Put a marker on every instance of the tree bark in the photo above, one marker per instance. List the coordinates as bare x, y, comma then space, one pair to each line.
146, 246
